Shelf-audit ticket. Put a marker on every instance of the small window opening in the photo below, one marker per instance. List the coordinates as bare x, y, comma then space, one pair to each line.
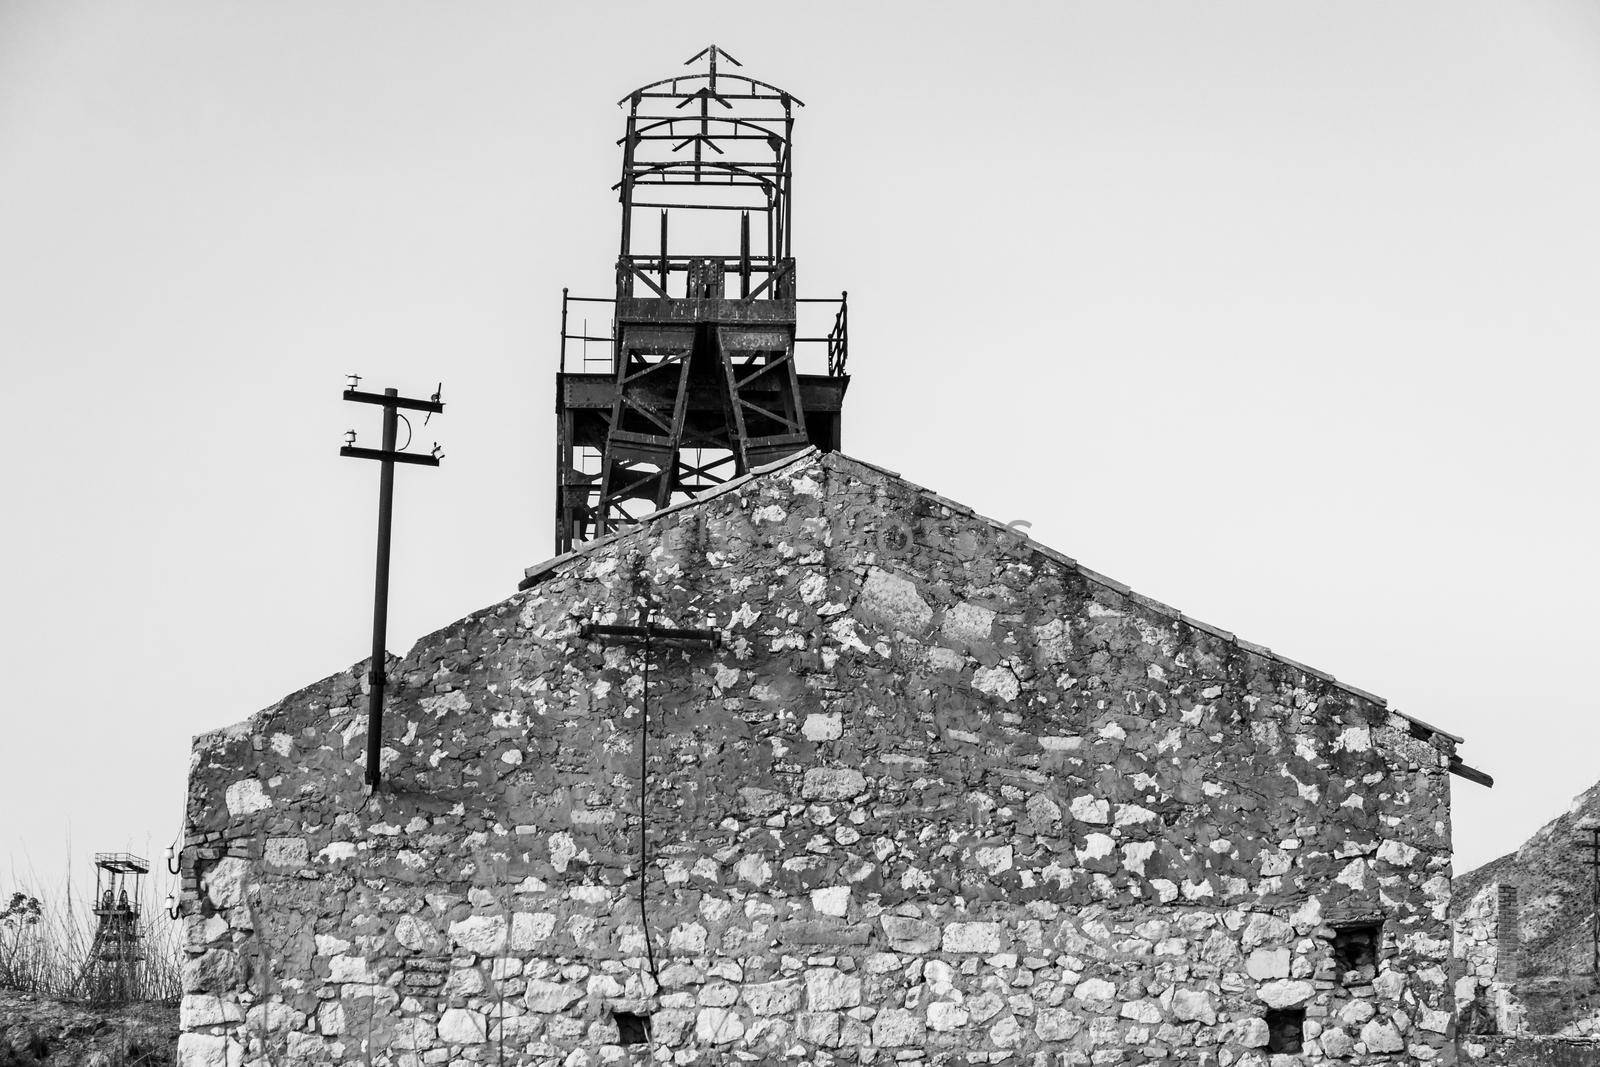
1286, 1029
632, 1028
1355, 951
1476, 1016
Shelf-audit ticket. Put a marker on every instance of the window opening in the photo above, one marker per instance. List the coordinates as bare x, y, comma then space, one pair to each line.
1355, 951
632, 1028
1286, 1029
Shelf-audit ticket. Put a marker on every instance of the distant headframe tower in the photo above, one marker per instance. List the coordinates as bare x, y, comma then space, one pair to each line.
110, 974
699, 381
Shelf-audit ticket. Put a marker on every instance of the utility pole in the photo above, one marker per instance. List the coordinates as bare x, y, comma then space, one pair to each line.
391, 401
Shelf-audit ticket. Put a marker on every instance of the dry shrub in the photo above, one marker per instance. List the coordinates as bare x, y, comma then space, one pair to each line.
45, 937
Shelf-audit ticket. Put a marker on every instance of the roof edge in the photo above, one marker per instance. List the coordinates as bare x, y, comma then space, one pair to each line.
534, 574
1157, 606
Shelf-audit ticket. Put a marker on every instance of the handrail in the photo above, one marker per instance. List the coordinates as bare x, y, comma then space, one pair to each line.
839, 337
836, 341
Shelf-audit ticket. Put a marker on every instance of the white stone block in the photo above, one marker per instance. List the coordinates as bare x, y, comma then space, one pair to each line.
549, 997
980, 937
833, 900
529, 929
822, 727
348, 969
199, 1009
1264, 964
1053, 1024
896, 1028
1287, 993
458, 1026
418, 934
287, 852
831, 990
1094, 991
1193, 1005
832, 783
1090, 809
910, 935
246, 797
1380, 1035
330, 1018
718, 1026
202, 1050
944, 1016
968, 623
484, 935
224, 883
894, 601
772, 998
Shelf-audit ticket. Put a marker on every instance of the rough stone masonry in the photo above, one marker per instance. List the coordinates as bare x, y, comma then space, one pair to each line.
941, 796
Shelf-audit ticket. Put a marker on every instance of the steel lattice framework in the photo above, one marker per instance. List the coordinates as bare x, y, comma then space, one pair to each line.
110, 974
700, 380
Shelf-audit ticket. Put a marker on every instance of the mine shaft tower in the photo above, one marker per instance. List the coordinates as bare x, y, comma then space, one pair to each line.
110, 974
699, 381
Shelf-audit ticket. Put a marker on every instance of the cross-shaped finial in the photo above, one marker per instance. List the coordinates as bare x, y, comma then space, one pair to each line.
713, 52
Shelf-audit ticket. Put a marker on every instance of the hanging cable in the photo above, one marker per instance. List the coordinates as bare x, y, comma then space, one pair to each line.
644, 771
646, 634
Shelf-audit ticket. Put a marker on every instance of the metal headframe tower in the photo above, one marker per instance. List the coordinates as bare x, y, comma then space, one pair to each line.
699, 379
110, 974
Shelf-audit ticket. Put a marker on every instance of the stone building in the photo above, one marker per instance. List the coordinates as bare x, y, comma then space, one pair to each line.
939, 794
1527, 991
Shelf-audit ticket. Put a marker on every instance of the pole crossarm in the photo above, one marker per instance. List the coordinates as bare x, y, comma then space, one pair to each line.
665, 634
390, 399
352, 452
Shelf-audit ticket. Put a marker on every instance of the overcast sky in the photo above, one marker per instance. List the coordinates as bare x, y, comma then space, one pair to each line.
1283, 313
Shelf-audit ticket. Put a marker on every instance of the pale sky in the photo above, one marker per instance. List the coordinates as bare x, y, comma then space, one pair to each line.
1283, 313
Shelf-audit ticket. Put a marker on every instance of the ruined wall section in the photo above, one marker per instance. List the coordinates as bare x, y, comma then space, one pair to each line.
1486, 943
938, 791
1528, 1049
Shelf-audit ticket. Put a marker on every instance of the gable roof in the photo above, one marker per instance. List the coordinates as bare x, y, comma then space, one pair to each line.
839, 461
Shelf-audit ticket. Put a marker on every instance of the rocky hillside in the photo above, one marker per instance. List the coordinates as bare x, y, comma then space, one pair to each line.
1554, 889
45, 1033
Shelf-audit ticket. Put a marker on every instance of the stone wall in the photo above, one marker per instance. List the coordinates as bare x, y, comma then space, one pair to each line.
1529, 1051
1487, 950
941, 795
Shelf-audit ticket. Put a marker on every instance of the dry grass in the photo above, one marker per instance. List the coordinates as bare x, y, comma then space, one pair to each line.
46, 933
